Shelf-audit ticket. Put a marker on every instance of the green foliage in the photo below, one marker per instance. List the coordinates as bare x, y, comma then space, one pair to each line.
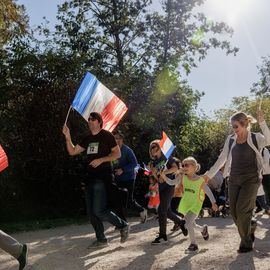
13, 20
136, 53
206, 136
262, 87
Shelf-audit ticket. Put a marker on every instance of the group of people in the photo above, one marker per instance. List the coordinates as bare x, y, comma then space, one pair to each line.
241, 158
109, 160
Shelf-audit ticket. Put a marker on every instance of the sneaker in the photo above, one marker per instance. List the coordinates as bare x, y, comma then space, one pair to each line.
23, 257
98, 244
143, 215
124, 233
192, 248
175, 227
244, 250
201, 214
160, 239
183, 227
205, 233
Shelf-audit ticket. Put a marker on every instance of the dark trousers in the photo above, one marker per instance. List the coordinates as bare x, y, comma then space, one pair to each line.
262, 203
242, 194
96, 195
175, 204
164, 209
129, 185
266, 187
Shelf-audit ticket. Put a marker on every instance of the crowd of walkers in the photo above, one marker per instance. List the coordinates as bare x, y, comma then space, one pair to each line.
242, 161
176, 190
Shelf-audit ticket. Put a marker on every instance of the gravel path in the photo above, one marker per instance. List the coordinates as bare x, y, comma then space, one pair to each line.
65, 248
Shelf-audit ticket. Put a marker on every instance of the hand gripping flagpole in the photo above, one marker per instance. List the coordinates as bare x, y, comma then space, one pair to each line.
68, 114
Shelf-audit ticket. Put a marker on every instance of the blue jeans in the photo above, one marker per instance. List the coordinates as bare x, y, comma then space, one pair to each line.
96, 196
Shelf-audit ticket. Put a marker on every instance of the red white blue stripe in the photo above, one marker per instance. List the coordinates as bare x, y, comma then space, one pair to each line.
3, 159
166, 145
93, 96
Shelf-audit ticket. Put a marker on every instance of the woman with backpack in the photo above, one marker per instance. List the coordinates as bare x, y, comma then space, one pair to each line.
243, 161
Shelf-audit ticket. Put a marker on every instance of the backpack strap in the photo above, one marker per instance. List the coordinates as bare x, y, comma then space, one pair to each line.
253, 137
254, 140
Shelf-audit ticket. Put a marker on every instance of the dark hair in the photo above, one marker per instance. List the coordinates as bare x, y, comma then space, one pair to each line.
97, 116
119, 133
153, 144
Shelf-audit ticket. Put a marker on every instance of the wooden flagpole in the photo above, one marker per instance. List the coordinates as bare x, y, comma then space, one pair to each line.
67, 115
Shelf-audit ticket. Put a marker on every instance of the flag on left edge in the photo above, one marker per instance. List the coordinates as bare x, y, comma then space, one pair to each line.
93, 96
3, 159
166, 145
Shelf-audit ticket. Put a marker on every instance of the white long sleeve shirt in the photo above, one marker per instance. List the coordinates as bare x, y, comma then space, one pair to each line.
266, 158
225, 156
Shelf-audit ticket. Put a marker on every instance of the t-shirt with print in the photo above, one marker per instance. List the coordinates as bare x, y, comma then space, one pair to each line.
98, 146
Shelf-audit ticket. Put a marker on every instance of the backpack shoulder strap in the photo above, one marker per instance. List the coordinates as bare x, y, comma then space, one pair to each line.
254, 140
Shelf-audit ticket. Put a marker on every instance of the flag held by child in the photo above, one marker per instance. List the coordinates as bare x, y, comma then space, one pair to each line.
3, 159
93, 96
166, 145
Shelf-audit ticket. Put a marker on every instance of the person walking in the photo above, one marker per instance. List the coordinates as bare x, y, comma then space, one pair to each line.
243, 161
101, 149
159, 165
7, 243
14, 248
194, 189
125, 173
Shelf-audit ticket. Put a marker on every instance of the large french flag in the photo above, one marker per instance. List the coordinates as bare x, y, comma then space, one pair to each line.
166, 145
93, 96
3, 159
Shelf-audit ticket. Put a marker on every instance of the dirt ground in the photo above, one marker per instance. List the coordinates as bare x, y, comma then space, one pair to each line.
65, 248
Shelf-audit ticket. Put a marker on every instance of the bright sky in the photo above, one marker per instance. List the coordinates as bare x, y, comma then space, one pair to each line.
221, 77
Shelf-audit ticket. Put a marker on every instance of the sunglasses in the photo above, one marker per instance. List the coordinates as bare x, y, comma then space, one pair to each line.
186, 165
154, 147
235, 126
92, 119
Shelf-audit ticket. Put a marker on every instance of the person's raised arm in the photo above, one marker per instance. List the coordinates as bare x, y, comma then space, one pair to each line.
264, 127
72, 150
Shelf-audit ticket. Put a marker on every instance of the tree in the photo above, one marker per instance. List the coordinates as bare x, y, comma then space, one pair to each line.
119, 42
178, 36
12, 20
126, 37
262, 87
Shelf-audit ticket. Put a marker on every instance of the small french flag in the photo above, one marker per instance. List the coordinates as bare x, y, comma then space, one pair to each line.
93, 96
147, 170
166, 145
3, 159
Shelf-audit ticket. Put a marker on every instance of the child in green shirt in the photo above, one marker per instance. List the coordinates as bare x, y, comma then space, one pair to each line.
194, 189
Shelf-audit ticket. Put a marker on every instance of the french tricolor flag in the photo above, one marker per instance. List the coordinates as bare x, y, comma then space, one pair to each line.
166, 145
93, 96
3, 159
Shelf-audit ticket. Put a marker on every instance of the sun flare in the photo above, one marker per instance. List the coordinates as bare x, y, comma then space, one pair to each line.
232, 9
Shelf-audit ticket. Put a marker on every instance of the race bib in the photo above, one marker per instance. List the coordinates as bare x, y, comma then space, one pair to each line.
92, 148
